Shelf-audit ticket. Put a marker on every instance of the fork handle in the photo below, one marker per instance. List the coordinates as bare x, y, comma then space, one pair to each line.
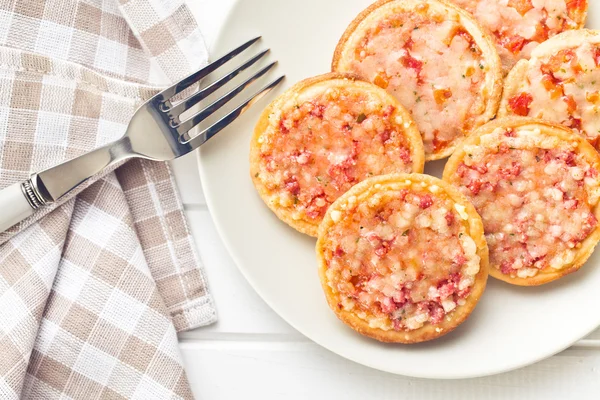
14, 206
20, 200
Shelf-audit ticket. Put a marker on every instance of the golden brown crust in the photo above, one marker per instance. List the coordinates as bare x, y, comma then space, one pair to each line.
409, 129
564, 134
474, 227
339, 49
511, 84
483, 40
565, 40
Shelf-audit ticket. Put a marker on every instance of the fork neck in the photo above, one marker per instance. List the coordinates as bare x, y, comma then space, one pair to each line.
52, 184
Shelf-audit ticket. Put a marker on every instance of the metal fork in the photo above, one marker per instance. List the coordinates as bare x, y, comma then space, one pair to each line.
154, 133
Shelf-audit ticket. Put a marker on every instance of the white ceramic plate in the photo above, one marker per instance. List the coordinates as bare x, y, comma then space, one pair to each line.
511, 327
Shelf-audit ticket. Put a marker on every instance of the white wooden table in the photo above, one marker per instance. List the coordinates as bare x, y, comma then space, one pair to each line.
252, 353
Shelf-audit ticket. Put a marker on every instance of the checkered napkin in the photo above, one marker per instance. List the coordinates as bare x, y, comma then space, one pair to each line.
92, 292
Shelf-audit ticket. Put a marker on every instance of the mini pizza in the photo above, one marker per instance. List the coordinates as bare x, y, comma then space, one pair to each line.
560, 83
536, 186
434, 58
323, 136
402, 258
519, 26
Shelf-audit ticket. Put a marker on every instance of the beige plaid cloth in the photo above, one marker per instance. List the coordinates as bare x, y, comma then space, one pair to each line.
93, 292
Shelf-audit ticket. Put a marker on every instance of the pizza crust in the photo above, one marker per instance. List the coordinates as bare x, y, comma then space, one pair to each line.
564, 135
407, 128
492, 91
474, 227
511, 85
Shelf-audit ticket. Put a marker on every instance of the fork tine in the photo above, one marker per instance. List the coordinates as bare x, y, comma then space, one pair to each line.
202, 94
232, 116
196, 76
188, 124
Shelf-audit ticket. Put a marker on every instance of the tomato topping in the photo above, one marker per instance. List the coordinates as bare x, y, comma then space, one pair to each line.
522, 6
592, 97
575, 123
441, 95
381, 80
571, 103
514, 44
597, 56
410, 62
439, 143
520, 104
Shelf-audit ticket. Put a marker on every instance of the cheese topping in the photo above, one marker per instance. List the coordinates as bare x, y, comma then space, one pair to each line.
325, 141
563, 88
401, 258
520, 25
536, 196
433, 67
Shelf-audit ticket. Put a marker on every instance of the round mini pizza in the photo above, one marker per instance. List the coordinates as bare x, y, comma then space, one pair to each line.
519, 26
560, 83
434, 58
320, 138
402, 258
536, 186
